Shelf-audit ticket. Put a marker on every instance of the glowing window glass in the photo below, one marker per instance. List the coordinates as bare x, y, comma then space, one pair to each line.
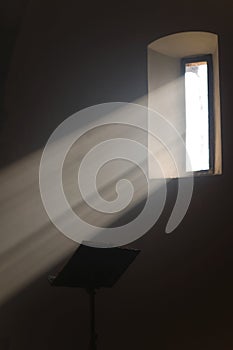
198, 114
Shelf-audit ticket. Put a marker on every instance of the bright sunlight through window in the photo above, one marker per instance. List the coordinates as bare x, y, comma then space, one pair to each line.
184, 88
197, 115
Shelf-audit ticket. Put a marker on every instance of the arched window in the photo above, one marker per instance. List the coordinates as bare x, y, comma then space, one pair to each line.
183, 86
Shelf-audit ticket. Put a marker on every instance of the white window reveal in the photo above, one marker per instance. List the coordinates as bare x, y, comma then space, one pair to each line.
183, 84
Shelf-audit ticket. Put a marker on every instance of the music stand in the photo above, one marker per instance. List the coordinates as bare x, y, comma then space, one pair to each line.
93, 268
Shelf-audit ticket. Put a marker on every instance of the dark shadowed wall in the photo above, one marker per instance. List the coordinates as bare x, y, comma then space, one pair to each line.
58, 58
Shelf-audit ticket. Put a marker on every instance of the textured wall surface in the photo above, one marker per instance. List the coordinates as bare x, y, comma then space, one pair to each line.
58, 58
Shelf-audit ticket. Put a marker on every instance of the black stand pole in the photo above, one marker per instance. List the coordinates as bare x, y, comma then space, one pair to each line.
87, 269
93, 335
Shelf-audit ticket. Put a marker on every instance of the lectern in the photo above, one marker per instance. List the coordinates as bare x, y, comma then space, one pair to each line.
93, 268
